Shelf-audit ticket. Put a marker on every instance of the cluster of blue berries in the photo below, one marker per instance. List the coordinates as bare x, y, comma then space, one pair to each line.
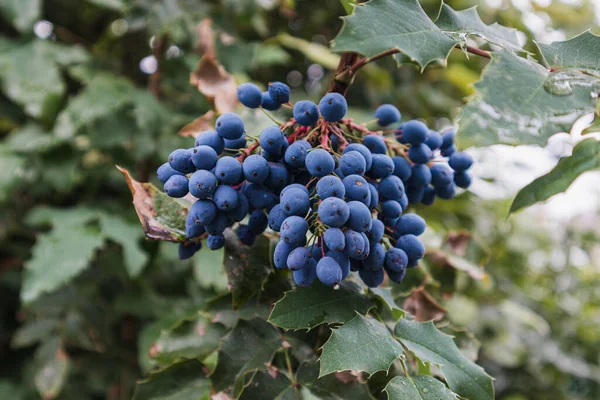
336, 192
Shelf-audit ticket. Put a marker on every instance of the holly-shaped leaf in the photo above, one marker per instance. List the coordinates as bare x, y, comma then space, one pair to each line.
421, 387
464, 23
429, 344
162, 217
269, 385
384, 295
363, 344
585, 157
518, 101
336, 386
380, 25
250, 346
305, 308
182, 381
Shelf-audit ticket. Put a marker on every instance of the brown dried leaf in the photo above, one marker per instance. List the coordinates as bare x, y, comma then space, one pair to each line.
423, 306
162, 217
206, 38
199, 125
458, 241
458, 263
215, 83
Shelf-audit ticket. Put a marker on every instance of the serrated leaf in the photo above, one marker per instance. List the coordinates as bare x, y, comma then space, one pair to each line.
464, 377
363, 344
380, 25
464, 23
188, 339
330, 387
246, 267
305, 308
182, 381
250, 346
421, 387
21, 13
585, 157
385, 296
517, 101
578, 52
269, 385
348, 5
162, 217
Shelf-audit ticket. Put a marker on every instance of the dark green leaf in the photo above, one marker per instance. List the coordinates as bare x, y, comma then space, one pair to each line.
348, 5
385, 296
21, 13
32, 332
363, 344
269, 385
418, 387
582, 51
380, 25
429, 344
52, 368
250, 346
128, 236
330, 387
208, 269
585, 157
305, 308
182, 381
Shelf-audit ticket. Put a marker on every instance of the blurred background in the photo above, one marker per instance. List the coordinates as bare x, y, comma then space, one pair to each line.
89, 84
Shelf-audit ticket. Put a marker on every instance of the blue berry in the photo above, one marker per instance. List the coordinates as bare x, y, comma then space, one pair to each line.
360, 218
281, 254
298, 259
268, 103
249, 95
273, 141
396, 276
193, 229
364, 150
387, 114
460, 161
165, 171
295, 154
445, 192
334, 212
278, 176
228, 170
258, 222
245, 234
419, 153
295, 186
396, 260
319, 163
355, 245
329, 271
404, 201
434, 140
391, 188
215, 242
235, 144
391, 209
293, 230
230, 126
334, 239
306, 113
258, 195
428, 196
414, 132
181, 160
375, 143
204, 157
402, 168
421, 176
357, 189
375, 259
410, 224
441, 175
218, 225
177, 186
462, 179
202, 212
333, 107
447, 139
375, 234
202, 184
211, 139
448, 151
352, 162
294, 202
279, 92
382, 167
415, 194
276, 217
187, 250
330, 186
305, 277
372, 278
239, 212
412, 246
255, 168
374, 196
342, 260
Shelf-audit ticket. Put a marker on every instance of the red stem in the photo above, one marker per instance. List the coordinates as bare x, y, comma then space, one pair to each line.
247, 151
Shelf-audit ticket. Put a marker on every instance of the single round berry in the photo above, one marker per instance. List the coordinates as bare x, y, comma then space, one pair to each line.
187, 250
295, 154
305, 277
294, 202
375, 234
230, 126
192, 229
278, 176
202, 212
402, 168
181, 160
387, 114
329, 271
429, 195
330, 186
360, 217
334, 212
258, 222
204, 157
462, 179
342, 260
241, 210
364, 150
273, 141
211, 139
391, 188
306, 113
202, 184
333, 107
355, 245
255, 168
225, 198
412, 246
375, 259
414, 132
268, 103
353, 162
235, 144
215, 242
419, 153
298, 259
391, 209
447, 139
371, 278
228, 170
319, 163
383, 166
249, 95
446, 192
434, 140
293, 230
357, 189
420, 176
276, 217
165, 171
460, 161
396, 259
258, 195
375, 143
334, 239
410, 224
279, 92
245, 235
441, 175
281, 254
177, 186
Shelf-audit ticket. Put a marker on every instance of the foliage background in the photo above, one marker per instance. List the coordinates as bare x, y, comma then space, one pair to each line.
74, 101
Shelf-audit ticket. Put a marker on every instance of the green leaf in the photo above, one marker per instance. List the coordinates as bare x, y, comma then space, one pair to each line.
250, 346
21, 13
30, 138
208, 269
305, 308
246, 268
517, 101
385, 297
380, 25
429, 344
585, 157
363, 344
12, 169
418, 387
578, 52
329, 387
182, 381
8, 390
32, 332
52, 368
128, 236
266, 386
188, 339
464, 23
